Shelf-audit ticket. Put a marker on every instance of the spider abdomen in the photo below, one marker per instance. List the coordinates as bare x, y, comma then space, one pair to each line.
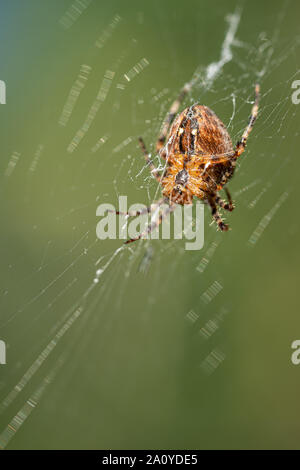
198, 130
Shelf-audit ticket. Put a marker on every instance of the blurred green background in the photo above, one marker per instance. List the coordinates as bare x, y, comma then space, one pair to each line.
171, 348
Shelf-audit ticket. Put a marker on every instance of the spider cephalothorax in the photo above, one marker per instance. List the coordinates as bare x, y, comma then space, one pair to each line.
199, 155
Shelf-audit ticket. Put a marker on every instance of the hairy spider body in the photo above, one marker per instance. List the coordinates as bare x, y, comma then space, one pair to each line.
196, 132
200, 158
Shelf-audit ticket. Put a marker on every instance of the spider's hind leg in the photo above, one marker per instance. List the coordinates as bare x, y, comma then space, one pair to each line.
228, 206
229, 198
212, 201
153, 225
241, 144
146, 210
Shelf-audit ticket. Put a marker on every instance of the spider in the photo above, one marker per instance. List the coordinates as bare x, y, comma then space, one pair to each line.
200, 159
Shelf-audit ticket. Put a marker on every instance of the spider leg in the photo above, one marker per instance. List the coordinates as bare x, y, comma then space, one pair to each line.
149, 162
241, 144
228, 206
153, 225
147, 210
170, 117
216, 215
213, 159
229, 198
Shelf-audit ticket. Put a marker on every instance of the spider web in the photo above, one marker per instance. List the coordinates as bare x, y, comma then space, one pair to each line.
79, 296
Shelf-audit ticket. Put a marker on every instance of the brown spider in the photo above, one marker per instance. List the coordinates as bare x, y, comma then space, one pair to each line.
200, 158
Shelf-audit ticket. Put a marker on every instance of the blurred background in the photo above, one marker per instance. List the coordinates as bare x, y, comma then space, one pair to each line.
149, 345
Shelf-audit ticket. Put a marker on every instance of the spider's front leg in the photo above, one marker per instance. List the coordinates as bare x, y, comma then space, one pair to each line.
212, 201
155, 172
